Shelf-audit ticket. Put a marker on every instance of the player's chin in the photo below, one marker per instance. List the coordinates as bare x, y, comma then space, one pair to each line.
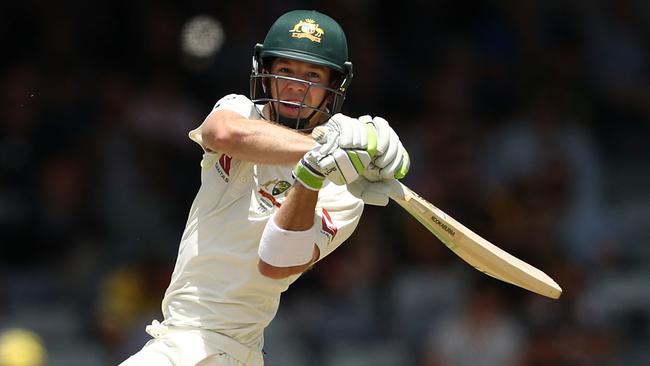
291, 111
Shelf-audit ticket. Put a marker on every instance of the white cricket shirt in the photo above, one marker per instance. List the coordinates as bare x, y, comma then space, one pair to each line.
216, 284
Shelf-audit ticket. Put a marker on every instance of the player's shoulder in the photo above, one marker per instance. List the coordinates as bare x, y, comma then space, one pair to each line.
239, 104
233, 99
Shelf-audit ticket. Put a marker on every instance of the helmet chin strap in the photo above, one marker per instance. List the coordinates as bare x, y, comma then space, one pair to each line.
296, 123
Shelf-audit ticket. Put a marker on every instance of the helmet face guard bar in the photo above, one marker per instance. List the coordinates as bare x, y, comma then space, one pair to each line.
261, 94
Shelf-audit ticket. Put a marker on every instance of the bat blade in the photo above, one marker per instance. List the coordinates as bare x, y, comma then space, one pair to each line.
469, 246
472, 248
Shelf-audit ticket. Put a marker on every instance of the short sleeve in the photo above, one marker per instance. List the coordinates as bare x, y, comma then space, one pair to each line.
338, 213
232, 102
237, 103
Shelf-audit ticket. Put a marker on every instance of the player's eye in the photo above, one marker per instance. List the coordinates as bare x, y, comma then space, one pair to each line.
313, 76
283, 71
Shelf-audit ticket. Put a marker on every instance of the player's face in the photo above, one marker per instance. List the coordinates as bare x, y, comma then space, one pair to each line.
299, 92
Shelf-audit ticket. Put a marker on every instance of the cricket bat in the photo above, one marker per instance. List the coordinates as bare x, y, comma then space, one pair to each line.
471, 247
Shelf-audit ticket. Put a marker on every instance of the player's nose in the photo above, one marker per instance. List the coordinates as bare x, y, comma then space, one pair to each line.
297, 86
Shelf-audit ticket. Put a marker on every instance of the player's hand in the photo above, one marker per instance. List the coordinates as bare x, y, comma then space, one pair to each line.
372, 193
308, 173
392, 159
350, 133
340, 166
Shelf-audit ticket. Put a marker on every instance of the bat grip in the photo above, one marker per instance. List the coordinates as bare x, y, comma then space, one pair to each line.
398, 191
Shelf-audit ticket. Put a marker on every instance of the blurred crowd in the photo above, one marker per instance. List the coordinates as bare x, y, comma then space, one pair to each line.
528, 121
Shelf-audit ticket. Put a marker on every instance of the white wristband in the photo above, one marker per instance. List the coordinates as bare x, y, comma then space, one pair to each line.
284, 248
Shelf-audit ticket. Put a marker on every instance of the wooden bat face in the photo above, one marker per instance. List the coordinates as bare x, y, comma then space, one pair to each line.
473, 249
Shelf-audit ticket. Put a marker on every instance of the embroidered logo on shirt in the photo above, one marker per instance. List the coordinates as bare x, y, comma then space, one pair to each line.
224, 161
278, 190
328, 225
223, 167
270, 198
280, 187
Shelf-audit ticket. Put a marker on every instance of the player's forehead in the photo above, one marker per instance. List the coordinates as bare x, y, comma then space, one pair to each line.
285, 62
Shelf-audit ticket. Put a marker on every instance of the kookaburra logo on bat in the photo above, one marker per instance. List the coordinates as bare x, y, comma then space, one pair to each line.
443, 226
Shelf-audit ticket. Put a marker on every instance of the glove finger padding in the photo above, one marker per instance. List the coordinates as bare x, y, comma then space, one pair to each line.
353, 135
344, 166
398, 167
330, 145
383, 132
404, 167
372, 193
392, 160
350, 133
334, 123
391, 150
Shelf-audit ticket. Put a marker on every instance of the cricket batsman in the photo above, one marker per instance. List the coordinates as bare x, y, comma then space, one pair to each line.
272, 201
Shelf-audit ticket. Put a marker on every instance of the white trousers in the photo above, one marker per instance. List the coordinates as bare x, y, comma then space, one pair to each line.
173, 346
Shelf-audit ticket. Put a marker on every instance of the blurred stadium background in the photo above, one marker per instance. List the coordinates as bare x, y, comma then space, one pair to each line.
526, 120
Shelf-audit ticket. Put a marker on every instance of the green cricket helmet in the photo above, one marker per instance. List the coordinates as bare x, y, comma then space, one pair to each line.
307, 36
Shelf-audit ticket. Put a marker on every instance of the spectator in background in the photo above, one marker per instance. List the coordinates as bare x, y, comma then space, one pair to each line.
483, 333
545, 147
616, 52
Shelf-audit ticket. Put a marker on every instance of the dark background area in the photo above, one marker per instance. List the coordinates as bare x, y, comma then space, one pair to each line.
528, 121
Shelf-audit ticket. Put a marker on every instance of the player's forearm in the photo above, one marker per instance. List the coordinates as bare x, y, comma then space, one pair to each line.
296, 214
297, 211
254, 140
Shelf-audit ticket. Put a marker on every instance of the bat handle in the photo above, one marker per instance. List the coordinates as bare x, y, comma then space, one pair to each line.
398, 191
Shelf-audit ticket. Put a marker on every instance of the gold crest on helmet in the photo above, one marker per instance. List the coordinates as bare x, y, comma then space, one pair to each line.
307, 28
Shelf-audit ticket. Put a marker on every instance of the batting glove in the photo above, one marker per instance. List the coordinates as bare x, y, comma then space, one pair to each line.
372, 193
350, 133
340, 166
392, 159
308, 173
